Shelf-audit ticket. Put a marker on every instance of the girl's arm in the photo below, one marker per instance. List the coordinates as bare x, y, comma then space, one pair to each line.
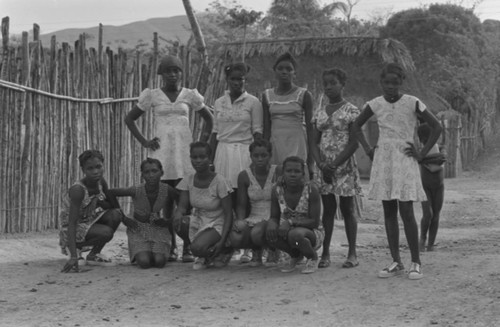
314, 146
182, 206
207, 116
307, 105
130, 119
110, 202
436, 130
366, 114
168, 207
257, 119
312, 220
349, 149
266, 116
241, 208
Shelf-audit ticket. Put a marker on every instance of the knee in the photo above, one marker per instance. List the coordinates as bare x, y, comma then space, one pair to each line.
107, 234
197, 249
160, 260
143, 260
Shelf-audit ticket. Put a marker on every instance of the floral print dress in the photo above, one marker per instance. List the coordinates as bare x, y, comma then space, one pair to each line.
334, 130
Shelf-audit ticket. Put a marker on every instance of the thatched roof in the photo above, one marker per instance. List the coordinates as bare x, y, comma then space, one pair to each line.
388, 49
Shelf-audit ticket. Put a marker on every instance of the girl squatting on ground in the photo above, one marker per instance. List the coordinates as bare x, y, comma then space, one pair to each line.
395, 175
89, 217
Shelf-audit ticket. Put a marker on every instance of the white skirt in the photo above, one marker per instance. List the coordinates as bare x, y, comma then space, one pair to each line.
230, 160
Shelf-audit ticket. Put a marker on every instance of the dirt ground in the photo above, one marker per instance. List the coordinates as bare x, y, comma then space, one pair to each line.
460, 285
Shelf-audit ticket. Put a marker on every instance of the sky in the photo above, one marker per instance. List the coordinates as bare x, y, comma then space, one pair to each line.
53, 15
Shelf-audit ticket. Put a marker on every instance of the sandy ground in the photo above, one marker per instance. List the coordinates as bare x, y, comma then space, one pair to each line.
460, 287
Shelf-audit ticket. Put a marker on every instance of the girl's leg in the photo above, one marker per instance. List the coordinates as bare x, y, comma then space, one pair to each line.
411, 228
102, 231
392, 228
436, 200
258, 235
144, 259
159, 260
204, 241
351, 226
329, 209
426, 218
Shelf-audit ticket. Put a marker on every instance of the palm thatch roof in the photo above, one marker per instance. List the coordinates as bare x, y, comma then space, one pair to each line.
388, 49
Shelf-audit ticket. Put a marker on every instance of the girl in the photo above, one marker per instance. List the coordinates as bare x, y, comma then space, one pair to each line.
170, 105
332, 147
148, 235
210, 195
285, 107
237, 122
294, 225
432, 172
254, 185
89, 218
395, 176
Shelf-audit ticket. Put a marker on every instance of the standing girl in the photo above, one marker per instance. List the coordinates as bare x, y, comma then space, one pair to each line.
237, 122
210, 196
147, 232
89, 218
285, 108
395, 175
332, 146
171, 105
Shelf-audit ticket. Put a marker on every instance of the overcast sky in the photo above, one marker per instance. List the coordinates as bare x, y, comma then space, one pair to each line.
53, 15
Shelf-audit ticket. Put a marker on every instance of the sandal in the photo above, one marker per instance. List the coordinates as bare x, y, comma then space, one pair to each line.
324, 263
187, 256
99, 260
349, 263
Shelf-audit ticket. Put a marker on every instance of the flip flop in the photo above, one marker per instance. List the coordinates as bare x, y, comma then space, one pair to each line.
324, 263
350, 264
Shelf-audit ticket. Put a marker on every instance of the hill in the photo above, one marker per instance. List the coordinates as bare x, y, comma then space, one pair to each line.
129, 35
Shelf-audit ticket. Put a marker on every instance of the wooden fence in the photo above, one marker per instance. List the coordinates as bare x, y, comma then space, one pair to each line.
41, 135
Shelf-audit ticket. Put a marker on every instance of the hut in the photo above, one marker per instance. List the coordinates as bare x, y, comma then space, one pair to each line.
361, 57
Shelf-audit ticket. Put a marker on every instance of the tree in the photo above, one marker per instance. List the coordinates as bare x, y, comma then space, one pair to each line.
241, 18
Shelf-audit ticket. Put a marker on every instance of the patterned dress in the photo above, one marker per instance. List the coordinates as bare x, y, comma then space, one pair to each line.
395, 176
334, 130
300, 212
89, 213
207, 204
288, 132
260, 198
148, 237
171, 126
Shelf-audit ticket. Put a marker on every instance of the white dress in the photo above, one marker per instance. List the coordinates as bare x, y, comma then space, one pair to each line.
394, 175
171, 126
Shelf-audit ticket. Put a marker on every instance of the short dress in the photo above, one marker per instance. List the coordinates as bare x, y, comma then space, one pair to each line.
394, 175
288, 132
148, 237
235, 124
89, 213
171, 126
260, 198
207, 204
334, 138
301, 211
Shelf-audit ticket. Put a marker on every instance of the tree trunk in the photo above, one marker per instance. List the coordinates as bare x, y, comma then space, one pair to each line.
202, 79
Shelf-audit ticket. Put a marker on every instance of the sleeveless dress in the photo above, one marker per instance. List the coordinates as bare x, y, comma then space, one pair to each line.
334, 130
288, 132
394, 175
89, 213
206, 203
171, 125
260, 198
148, 237
301, 211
